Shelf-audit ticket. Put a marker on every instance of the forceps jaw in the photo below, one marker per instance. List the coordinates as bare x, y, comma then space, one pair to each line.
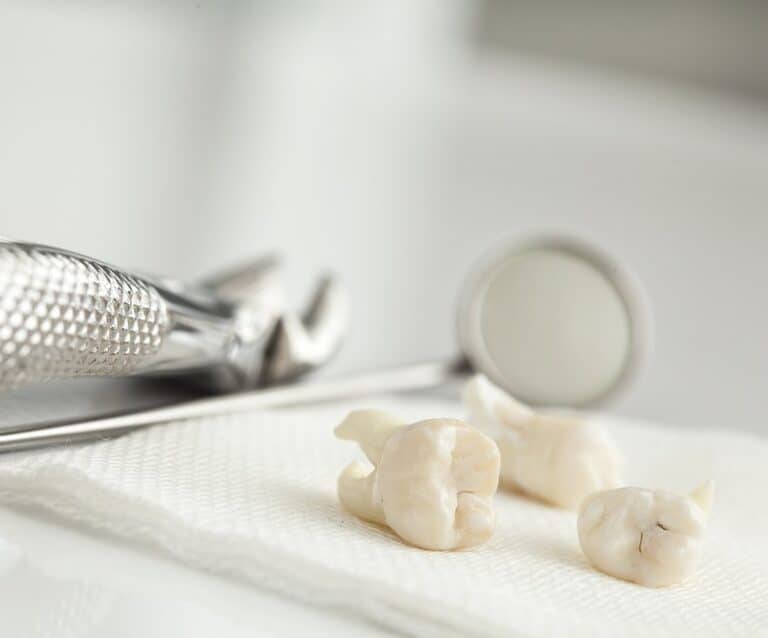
64, 315
300, 344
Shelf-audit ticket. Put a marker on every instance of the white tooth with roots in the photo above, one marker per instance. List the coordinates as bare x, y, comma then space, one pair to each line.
556, 459
649, 537
432, 482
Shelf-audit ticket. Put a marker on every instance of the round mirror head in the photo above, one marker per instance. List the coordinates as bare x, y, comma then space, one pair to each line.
553, 322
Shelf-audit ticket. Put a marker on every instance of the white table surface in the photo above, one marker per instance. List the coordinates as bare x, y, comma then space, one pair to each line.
60, 581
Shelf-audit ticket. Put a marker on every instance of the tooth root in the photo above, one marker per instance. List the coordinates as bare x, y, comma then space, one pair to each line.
490, 407
703, 496
355, 488
371, 430
612, 522
559, 460
299, 345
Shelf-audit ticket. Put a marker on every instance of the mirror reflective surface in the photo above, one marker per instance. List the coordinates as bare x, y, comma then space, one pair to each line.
553, 322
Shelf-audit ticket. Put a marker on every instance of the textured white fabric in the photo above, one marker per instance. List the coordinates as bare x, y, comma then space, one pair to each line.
254, 495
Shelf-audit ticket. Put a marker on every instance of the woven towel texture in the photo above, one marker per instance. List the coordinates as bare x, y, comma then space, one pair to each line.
254, 495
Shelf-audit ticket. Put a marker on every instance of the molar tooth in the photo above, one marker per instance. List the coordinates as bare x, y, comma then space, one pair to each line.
649, 537
556, 459
432, 482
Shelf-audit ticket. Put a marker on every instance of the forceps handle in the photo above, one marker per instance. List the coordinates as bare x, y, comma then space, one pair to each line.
411, 377
64, 315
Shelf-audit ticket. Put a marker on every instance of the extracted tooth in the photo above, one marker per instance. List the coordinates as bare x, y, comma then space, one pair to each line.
703, 497
649, 537
556, 459
356, 485
370, 429
432, 482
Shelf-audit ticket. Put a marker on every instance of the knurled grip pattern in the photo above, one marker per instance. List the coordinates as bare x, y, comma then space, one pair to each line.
66, 316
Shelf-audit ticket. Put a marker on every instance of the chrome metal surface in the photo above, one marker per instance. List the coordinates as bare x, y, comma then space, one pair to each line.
295, 345
300, 344
63, 315
70, 432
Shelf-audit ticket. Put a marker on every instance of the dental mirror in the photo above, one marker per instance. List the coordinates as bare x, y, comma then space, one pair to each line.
553, 321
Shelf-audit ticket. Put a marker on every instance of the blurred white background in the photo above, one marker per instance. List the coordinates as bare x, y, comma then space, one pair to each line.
394, 142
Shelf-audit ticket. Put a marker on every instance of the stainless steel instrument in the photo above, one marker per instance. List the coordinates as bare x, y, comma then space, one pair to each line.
64, 315
552, 320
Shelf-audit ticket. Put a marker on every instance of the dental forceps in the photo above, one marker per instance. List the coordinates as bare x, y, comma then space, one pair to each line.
552, 320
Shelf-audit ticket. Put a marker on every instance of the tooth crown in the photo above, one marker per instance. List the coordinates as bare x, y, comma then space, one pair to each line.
433, 483
558, 460
652, 538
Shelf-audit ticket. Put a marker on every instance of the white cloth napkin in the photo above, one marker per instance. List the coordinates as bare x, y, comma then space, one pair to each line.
254, 495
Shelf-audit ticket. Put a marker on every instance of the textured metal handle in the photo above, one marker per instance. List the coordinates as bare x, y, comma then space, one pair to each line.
64, 315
